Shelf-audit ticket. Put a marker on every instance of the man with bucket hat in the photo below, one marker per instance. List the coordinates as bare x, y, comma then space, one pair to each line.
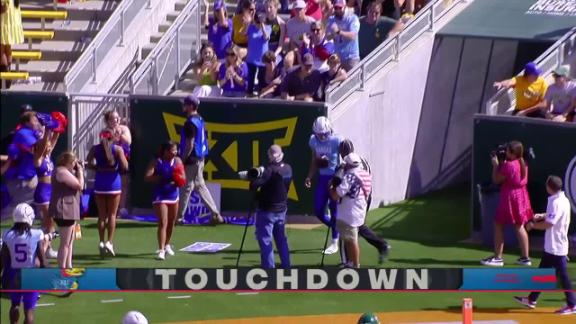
561, 95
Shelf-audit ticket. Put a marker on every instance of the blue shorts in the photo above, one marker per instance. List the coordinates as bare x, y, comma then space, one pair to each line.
42, 193
108, 183
29, 299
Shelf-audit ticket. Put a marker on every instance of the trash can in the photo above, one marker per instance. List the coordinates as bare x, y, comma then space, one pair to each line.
489, 196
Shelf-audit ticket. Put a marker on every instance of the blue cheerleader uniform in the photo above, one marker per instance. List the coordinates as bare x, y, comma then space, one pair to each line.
43, 189
107, 180
165, 192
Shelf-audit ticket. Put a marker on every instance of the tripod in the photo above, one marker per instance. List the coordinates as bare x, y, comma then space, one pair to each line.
251, 211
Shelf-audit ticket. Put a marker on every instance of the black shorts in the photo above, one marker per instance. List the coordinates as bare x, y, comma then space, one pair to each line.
64, 222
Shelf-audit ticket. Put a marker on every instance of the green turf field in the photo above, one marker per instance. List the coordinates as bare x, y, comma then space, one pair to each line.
425, 232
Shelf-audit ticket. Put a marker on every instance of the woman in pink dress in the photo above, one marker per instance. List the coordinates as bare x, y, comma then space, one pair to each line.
514, 206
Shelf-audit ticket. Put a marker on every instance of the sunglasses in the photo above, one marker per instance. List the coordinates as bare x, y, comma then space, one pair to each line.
315, 30
231, 54
252, 9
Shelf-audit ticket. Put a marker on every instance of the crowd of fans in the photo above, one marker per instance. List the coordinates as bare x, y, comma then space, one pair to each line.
256, 53
538, 99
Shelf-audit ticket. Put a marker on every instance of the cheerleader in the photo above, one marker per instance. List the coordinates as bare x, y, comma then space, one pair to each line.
21, 248
44, 167
108, 159
167, 172
324, 145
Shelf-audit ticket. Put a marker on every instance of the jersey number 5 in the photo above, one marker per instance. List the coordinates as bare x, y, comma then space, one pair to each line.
21, 252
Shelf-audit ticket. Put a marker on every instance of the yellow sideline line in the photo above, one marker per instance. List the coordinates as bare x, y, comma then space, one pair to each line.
522, 316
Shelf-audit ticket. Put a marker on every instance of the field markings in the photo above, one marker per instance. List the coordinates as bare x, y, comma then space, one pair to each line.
107, 301
247, 293
179, 297
45, 304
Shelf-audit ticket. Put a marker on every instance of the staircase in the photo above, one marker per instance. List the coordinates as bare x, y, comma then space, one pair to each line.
54, 45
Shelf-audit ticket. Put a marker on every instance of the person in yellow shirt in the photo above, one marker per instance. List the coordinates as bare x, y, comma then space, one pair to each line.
530, 90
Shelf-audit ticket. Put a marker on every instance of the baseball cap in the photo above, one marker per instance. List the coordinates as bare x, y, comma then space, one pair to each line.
191, 100
563, 70
308, 59
218, 4
299, 4
339, 3
532, 69
352, 159
275, 153
134, 317
23, 213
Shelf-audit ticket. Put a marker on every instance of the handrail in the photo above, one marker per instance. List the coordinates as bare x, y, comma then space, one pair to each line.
389, 50
548, 61
89, 57
170, 42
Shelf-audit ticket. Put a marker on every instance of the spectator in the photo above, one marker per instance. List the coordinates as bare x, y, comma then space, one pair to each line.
232, 75
514, 206
277, 26
258, 36
344, 30
206, 73
530, 90
67, 186
302, 83
313, 9
394, 9
352, 192
353, 7
11, 32
240, 23
374, 29
298, 25
219, 29
335, 74
272, 75
561, 96
318, 45
555, 222
327, 11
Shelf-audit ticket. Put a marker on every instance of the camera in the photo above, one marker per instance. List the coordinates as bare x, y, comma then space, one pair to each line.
500, 152
252, 173
322, 162
51, 236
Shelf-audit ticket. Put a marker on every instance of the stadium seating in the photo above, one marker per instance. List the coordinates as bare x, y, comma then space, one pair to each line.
43, 15
17, 56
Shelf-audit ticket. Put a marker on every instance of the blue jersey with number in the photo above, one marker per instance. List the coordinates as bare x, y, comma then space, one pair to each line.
329, 149
22, 247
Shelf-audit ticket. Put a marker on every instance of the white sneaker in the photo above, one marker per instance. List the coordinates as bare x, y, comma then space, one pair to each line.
492, 261
51, 254
102, 248
161, 254
333, 248
110, 248
168, 249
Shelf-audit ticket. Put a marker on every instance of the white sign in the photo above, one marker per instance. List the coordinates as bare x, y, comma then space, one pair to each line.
553, 8
196, 208
205, 247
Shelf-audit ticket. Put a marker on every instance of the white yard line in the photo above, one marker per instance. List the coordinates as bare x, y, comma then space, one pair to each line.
106, 301
247, 293
179, 297
45, 304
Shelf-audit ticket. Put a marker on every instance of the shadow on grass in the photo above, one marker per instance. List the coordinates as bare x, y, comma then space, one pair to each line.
121, 224
511, 310
97, 257
429, 261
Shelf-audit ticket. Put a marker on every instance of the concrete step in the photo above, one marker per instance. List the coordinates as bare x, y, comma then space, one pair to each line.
57, 50
70, 30
171, 16
187, 85
38, 86
164, 26
81, 10
180, 4
155, 37
147, 49
49, 71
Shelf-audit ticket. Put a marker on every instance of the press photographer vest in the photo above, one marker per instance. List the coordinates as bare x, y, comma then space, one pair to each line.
200, 149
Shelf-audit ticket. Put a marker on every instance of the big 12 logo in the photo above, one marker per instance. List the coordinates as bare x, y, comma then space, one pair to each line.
570, 182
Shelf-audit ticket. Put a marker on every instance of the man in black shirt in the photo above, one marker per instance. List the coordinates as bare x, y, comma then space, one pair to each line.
272, 206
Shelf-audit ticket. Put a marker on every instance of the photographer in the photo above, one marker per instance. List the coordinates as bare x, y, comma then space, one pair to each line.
272, 197
353, 193
509, 170
346, 147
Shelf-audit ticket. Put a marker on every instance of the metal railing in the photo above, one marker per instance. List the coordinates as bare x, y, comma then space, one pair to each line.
112, 34
170, 58
389, 51
87, 111
505, 100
